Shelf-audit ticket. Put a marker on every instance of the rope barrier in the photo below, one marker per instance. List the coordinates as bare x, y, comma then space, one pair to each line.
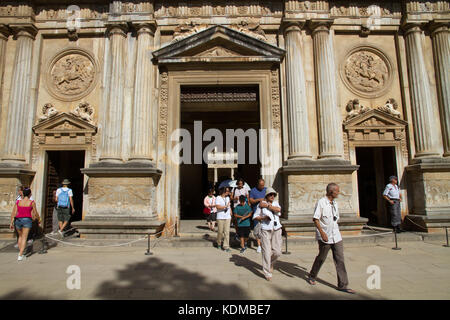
105, 246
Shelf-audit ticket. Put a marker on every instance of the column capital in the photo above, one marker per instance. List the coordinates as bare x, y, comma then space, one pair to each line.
292, 25
145, 27
413, 26
320, 25
116, 28
24, 30
4, 31
438, 25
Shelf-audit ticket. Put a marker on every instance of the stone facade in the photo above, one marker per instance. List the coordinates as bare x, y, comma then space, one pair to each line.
105, 78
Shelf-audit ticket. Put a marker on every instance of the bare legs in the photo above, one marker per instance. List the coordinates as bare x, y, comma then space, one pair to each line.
23, 236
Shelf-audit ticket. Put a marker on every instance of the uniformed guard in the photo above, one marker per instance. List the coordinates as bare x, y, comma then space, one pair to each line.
392, 195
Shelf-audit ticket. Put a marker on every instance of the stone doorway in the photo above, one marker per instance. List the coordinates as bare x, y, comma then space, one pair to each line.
376, 165
62, 165
220, 108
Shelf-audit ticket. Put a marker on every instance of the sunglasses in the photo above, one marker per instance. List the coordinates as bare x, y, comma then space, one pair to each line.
334, 209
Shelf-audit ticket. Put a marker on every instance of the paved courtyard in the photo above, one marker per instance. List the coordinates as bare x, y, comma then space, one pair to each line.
421, 270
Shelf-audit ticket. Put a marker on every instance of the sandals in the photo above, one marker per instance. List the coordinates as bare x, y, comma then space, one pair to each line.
347, 290
311, 281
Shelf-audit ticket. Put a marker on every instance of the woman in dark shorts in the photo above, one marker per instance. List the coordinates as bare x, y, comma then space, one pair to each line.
243, 213
22, 216
210, 205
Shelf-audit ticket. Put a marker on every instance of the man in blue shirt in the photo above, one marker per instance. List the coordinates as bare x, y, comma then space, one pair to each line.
257, 195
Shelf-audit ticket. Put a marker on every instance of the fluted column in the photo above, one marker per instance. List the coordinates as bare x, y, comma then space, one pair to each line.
19, 107
441, 46
4, 34
112, 130
141, 135
298, 128
329, 116
425, 129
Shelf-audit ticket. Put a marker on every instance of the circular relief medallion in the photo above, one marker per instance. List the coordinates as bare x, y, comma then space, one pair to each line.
367, 72
71, 74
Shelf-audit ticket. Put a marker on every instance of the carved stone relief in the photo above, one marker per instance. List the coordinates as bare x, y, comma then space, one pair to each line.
354, 108
48, 111
84, 111
163, 105
366, 72
275, 98
252, 29
71, 74
185, 30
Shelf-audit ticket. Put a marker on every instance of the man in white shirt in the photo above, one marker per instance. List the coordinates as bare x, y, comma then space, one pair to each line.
393, 197
326, 216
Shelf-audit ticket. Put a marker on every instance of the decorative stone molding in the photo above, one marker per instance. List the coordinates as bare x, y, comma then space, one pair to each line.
197, 9
380, 9
85, 112
71, 74
366, 71
275, 99
60, 12
252, 29
163, 105
185, 30
48, 111
64, 129
354, 108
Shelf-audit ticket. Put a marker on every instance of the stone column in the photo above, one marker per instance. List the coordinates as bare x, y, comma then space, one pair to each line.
112, 130
19, 99
441, 46
425, 134
298, 128
4, 34
141, 135
330, 124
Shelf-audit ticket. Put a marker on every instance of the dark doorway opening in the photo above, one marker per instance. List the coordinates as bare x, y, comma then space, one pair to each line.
376, 165
64, 165
224, 107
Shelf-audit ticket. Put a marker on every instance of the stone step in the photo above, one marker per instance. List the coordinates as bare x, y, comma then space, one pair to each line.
208, 240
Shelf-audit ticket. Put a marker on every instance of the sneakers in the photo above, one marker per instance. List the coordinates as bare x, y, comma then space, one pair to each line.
16, 246
21, 257
227, 250
61, 233
242, 250
258, 249
219, 247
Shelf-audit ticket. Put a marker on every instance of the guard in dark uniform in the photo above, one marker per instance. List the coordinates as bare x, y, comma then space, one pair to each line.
392, 195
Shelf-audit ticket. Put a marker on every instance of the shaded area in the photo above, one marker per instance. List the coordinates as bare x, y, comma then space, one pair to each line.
22, 294
156, 279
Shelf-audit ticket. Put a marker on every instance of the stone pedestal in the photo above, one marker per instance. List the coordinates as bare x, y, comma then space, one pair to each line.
305, 183
428, 187
10, 180
121, 201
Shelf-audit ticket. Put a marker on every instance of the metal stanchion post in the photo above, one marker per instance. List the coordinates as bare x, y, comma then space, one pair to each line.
148, 253
396, 245
446, 236
176, 229
286, 252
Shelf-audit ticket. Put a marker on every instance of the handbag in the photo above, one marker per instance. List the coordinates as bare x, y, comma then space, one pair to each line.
207, 211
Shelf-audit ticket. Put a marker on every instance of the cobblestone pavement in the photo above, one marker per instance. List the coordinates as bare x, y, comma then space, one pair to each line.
421, 270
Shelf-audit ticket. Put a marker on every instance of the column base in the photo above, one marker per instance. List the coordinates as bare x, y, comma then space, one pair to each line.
117, 228
120, 197
428, 183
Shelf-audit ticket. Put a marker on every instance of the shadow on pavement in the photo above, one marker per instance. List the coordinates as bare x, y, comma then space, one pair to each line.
155, 279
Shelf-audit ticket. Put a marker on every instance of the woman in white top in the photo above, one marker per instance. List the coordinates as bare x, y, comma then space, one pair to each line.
223, 217
268, 212
210, 204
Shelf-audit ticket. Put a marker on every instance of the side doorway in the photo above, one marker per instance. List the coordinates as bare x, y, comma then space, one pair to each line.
63, 165
376, 165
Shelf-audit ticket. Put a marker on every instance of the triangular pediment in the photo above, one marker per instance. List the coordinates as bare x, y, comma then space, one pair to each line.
218, 44
64, 122
375, 118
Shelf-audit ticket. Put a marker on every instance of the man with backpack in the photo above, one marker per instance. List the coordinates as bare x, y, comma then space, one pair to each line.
64, 199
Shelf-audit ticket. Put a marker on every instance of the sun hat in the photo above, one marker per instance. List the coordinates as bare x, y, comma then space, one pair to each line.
270, 190
66, 182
